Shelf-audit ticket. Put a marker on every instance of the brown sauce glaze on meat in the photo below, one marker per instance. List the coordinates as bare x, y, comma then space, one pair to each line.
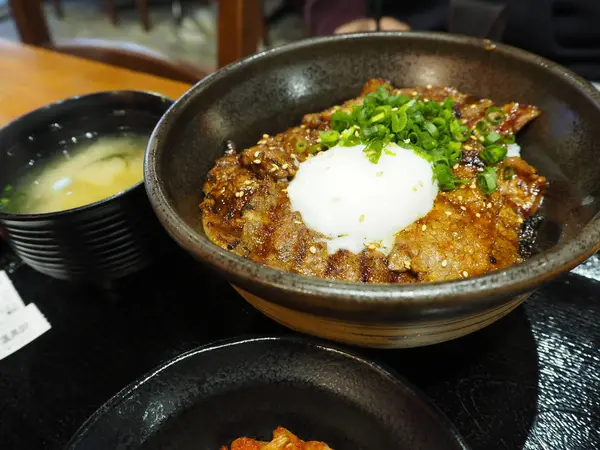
246, 209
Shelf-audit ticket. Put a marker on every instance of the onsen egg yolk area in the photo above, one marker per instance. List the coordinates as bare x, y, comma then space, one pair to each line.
395, 186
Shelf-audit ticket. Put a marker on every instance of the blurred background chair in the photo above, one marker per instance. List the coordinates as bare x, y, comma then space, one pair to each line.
240, 28
111, 9
33, 30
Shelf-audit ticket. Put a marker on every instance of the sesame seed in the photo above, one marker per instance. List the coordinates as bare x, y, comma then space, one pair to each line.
455, 166
262, 142
477, 215
273, 169
448, 213
519, 220
426, 100
256, 154
463, 121
248, 182
429, 86
356, 134
284, 190
265, 136
444, 263
424, 227
257, 161
313, 250
407, 264
285, 166
489, 205
468, 147
298, 221
472, 186
465, 274
463, 208
473, 106
394, 109
302, 126
415, 93
371, 247
473, 137
460, 198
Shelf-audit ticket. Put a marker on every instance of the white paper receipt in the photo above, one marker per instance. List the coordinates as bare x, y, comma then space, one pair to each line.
19, 324
10, 300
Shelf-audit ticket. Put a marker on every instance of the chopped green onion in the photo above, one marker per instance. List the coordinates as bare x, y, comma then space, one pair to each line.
452, 151
495, 115
508, 173
439, 122
377, 118
491, 138
350, 137
483, 127
315, 148
414, 138
488, 180
399, 120
459, 132
509, 139
329, 138
446, 114
301, 145
427, 142
446, 179
340, 121
432, 129
448, 103
493, 154
373, 151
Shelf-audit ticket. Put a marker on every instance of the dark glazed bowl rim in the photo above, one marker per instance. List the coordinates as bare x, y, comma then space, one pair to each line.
378, 369
63, 105
382, 302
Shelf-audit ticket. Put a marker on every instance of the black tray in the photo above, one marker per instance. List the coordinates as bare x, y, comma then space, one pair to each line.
531, 380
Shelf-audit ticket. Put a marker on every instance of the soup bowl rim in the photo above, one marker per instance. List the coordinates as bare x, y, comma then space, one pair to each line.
64, 103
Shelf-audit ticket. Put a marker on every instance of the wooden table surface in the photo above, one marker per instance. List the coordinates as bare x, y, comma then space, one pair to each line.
32, 77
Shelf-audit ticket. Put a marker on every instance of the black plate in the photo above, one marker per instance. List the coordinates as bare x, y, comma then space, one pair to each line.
207, 397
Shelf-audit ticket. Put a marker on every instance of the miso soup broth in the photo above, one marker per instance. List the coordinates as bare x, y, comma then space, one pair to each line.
86, 174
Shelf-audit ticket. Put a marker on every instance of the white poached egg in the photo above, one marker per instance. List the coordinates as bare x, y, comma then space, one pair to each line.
356, 203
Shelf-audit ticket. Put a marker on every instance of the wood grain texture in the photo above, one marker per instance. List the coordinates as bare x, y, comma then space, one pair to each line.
240, 28
34, 77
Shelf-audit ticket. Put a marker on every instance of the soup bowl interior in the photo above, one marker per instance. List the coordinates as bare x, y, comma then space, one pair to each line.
270, 92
